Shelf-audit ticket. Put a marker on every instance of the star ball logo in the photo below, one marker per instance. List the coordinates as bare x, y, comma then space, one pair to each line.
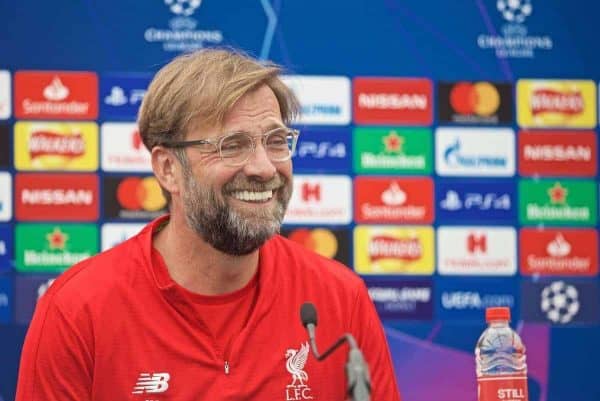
182, 35
514, 41
515, 10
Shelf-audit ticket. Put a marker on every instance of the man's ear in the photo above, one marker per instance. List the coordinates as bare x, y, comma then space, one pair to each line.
165, 166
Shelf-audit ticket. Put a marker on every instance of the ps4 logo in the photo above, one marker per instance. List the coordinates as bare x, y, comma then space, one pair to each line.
117, 96
480, 201
321, 150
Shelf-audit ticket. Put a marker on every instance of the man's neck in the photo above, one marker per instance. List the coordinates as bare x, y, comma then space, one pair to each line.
197, 266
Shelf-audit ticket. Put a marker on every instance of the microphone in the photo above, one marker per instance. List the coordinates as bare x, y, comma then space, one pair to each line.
357, 370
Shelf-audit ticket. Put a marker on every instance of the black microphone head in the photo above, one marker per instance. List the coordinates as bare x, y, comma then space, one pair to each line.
308, 314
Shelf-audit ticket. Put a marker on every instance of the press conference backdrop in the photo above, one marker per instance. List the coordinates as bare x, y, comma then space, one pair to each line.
448, 155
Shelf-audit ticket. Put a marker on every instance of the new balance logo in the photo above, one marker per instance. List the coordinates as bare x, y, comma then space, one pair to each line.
151, 383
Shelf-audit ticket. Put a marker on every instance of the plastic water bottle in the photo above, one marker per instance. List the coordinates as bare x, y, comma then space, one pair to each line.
500, 360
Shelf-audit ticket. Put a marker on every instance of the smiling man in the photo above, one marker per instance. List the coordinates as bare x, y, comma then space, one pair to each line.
203, 303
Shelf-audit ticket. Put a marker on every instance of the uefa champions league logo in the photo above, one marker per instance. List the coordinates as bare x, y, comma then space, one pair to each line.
560, 302
514, 10
183, 8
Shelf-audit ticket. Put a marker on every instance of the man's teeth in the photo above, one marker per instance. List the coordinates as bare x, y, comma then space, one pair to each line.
253, 196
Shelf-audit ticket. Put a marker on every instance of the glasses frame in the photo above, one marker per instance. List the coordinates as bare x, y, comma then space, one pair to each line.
217, 142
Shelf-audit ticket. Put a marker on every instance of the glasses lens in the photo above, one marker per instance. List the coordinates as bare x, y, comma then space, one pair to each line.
279, 144
235, 148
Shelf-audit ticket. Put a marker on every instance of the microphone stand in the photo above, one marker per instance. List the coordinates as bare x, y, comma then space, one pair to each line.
357, 370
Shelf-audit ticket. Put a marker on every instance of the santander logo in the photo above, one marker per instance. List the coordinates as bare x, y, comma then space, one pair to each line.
56, 90
394, 195
559, 247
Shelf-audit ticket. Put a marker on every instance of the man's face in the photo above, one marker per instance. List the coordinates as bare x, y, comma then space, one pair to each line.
236, 209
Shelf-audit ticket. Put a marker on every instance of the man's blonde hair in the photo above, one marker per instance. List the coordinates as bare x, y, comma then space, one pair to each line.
200, 88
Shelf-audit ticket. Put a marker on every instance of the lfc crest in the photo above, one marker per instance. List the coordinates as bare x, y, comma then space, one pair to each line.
295, 361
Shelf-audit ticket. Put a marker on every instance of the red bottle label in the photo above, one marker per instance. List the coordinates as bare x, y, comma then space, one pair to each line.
502, 388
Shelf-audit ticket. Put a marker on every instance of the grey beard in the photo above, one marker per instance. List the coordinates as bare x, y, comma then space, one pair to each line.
224, 228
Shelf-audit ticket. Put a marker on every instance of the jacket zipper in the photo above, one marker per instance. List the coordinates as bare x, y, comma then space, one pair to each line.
226, 367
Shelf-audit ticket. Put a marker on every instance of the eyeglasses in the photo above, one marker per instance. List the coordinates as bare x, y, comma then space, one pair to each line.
235, 149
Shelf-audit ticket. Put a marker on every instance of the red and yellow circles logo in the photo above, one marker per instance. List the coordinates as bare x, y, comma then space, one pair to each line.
480, 98
319, 240
137, 193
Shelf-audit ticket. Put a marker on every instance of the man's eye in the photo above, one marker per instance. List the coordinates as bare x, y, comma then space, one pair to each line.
234, 144
277, 140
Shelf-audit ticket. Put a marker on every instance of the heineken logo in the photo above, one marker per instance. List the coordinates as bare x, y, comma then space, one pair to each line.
569, 202
558, 194
382, 150
57, 239
51, 248
393, 142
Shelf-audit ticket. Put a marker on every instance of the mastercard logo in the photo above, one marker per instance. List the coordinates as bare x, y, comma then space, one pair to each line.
319, 240
480, 98
136, 193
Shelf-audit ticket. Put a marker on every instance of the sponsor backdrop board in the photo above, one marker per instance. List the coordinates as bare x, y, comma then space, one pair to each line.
448, 155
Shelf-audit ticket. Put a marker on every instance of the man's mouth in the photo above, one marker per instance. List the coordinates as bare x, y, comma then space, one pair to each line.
253, 196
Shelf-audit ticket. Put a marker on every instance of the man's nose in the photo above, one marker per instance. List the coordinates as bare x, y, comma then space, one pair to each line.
259, 165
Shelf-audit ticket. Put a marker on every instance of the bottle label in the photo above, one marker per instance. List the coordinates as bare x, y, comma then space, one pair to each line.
502, 388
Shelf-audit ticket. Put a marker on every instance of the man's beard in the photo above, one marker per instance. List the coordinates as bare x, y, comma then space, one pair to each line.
227, 229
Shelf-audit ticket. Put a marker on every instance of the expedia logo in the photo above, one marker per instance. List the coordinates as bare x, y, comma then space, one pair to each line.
133, 197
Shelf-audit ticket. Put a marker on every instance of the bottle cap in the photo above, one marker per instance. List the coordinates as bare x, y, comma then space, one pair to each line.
497, 313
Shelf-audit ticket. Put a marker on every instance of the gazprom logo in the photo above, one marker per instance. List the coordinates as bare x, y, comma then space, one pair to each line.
322, 109
324, 100
475, 152
453, 157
